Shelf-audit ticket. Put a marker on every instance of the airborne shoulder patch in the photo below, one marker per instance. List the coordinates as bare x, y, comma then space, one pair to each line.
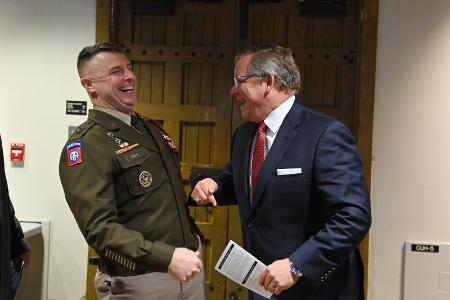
74, 154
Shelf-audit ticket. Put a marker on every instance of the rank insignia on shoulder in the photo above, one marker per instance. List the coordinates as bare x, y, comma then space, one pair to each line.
169, 141
74, 155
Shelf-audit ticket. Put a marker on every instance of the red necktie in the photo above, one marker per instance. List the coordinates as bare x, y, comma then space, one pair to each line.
259, 154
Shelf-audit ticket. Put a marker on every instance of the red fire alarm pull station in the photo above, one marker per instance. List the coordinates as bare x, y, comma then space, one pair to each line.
17, 152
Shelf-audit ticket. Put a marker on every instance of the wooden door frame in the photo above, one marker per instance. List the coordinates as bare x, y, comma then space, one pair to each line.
365, 98
104, 23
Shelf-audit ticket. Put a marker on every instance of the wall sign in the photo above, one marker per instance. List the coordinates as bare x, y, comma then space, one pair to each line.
76, 107
424, 248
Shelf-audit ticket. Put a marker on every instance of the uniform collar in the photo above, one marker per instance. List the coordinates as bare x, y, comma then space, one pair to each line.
126, 118
106, 120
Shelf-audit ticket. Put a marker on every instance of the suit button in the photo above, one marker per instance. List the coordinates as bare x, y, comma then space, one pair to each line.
249, 224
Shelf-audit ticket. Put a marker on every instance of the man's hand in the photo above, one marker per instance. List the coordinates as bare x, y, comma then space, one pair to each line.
185, 264
26, 259
277, 277
203, 192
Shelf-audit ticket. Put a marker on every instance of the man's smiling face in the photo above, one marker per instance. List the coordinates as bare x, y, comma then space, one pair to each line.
110, 81
250, 92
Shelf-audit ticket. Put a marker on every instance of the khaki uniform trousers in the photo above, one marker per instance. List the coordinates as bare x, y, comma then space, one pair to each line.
150, 286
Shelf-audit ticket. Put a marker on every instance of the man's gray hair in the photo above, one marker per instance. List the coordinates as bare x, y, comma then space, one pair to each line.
276, 61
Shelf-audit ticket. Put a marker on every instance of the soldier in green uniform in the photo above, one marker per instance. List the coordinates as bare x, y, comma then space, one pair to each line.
122, 180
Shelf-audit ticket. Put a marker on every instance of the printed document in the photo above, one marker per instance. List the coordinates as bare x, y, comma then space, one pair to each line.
242, 267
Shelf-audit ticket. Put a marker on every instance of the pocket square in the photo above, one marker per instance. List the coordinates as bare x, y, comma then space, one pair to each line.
281, 172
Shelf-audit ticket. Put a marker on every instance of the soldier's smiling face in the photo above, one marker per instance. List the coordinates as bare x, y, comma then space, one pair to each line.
110, 81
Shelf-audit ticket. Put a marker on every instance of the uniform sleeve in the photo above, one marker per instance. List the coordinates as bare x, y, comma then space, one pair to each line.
89, 191
338, 182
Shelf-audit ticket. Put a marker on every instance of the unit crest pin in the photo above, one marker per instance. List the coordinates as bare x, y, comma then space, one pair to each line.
145, 179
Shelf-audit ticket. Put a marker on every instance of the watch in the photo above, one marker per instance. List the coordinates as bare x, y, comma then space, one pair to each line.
295, 271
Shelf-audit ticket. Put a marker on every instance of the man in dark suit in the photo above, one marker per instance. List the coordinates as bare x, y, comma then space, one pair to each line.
297, 177
14, 250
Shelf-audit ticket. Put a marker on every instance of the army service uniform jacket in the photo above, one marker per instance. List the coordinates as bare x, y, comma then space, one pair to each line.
125, 191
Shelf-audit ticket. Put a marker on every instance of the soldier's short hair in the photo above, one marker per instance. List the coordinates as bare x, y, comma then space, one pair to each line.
90, 51
274, 60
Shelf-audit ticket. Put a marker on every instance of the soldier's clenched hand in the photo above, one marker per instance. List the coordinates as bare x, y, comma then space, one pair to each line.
185, 264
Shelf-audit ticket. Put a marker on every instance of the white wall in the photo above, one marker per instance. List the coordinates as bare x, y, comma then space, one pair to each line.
411, 146
39, 43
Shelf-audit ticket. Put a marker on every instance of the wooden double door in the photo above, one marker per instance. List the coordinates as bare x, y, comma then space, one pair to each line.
183, 59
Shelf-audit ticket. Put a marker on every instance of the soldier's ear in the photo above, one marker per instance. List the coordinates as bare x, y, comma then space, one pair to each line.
87, 84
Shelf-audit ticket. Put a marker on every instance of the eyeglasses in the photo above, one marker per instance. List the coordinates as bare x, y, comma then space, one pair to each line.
241, 78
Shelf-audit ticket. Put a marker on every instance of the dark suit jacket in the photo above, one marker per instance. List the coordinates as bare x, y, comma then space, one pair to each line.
316, 217
12, 242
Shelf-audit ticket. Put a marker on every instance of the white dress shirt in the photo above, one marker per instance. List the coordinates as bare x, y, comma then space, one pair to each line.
273, 122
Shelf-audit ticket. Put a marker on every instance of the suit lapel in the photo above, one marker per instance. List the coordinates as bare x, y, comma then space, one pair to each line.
242, 166
283, 140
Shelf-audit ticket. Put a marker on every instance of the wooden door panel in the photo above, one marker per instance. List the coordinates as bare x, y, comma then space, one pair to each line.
150, 78
91, 293
184, 63
149, 29
269, 27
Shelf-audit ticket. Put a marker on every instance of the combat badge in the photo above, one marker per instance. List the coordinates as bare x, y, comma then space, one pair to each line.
145, 179
74, 155
118, 141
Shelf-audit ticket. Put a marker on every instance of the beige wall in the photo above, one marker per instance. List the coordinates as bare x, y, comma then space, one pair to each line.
39, 44
411, 145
